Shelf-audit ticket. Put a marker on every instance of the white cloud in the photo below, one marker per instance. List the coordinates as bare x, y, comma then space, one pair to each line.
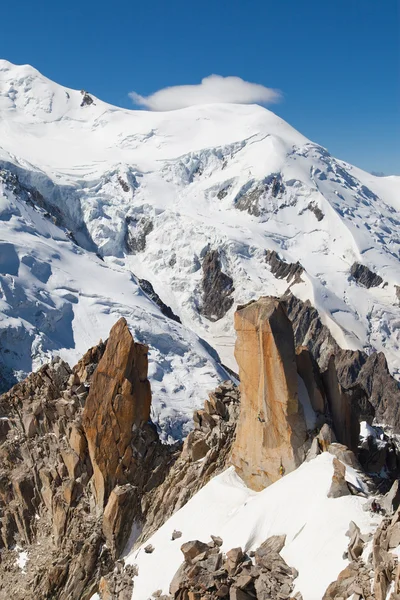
214, 88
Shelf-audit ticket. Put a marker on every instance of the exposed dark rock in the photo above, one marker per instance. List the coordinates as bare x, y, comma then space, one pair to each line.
217, 288
87, 100
308, 370
149, 291
137, 230
32, 197
364, 276
309, 330
223, 193
249, 196
345, 419
316, 210
282, 269
366, 379
123, 184
382, 389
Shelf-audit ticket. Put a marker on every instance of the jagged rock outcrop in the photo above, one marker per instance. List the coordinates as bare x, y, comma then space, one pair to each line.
149, 291
252, 194
81, 463
118, 584
338, 486
205, 453
309, 331
74, 525
209, 573
44, 498
217, 288
87, 100
364, 276
314, 208
282, 270
137, 230
119, 399
377, 577
271, 432
366, 379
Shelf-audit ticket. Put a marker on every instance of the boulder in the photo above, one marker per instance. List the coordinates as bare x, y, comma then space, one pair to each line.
314, 450
326, 437
391, 500
271, 431
233, 558
193, 548
356, 543
339, 485
343, 454
117, 518
119, 398
274, 544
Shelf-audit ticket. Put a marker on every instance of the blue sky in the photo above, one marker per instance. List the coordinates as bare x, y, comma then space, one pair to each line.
336, 62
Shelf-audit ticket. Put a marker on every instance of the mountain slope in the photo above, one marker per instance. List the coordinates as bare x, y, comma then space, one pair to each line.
192, 200
56, 298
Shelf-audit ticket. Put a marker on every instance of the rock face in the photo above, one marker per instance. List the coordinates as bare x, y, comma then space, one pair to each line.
217, 288
344, 417
366, 379
87, 100
149, 291
271, 431
282, 269
308, 370
137, 230
364, 276
119, 399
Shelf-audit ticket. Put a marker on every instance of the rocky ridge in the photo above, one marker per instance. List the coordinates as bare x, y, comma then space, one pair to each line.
72, 472
207, 573
364, 376
83, 466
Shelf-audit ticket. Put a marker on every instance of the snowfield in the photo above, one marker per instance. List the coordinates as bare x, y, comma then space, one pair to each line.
297, 505
151, 194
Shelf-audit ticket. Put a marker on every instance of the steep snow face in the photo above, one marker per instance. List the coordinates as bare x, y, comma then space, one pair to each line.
56, 298
297, 506
159, 190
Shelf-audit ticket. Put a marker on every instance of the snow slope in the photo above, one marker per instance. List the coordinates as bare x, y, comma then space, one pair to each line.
56, 298
232, 178
297, 505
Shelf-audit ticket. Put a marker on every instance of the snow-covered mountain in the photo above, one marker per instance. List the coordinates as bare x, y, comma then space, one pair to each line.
93, 197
